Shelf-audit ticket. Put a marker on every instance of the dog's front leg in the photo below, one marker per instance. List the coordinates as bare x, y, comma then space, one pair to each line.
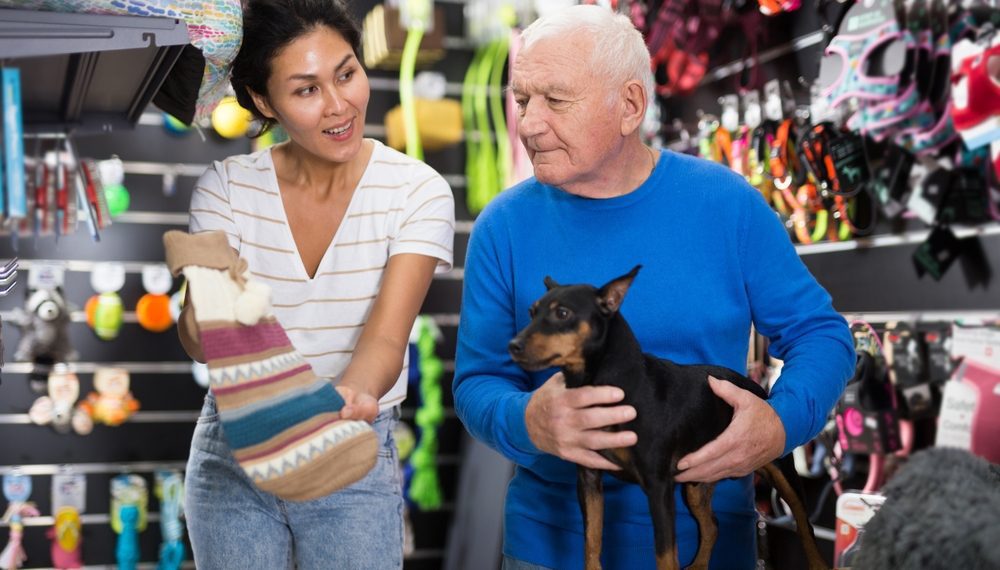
661, 507
590, 492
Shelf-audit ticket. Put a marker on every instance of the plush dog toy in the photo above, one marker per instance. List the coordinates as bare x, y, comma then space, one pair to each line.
112, 403
940, 513
59, 408
44, 323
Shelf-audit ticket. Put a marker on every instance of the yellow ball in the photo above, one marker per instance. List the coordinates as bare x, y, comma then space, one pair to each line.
230, 120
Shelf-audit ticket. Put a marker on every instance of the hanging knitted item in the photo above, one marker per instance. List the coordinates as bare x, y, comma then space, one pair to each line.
281, 421
425, 489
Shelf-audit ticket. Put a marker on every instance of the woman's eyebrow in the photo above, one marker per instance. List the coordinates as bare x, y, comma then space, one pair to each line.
312, 76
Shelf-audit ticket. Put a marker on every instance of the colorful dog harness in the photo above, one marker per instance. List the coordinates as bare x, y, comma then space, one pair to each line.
854, 80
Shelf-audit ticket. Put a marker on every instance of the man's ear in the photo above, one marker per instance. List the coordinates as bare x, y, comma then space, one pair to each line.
634, 100
610, 297
550, 283
262, 103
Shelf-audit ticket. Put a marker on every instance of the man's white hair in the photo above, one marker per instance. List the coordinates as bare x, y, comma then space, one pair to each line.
619, 51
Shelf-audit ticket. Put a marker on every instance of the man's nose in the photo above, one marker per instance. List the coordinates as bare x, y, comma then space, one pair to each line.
532, 120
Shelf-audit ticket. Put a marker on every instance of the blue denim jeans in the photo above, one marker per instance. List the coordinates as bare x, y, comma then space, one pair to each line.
233, 524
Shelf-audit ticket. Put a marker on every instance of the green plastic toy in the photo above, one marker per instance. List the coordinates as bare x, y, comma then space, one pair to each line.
425, 488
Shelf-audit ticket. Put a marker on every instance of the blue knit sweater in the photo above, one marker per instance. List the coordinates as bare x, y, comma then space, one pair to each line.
715, 260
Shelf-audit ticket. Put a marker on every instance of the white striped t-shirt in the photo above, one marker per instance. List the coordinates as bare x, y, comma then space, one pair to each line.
401, 205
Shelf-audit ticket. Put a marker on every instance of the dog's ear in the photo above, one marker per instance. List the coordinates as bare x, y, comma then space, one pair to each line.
610, 297
550, 283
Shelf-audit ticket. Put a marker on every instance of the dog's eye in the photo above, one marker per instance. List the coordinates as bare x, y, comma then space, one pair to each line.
562, 313
532, 311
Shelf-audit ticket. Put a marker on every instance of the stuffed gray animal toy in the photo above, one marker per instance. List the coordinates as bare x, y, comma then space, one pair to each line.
44, 325
942, 511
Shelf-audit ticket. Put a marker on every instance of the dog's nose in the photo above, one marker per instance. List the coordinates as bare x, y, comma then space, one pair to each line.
516, 346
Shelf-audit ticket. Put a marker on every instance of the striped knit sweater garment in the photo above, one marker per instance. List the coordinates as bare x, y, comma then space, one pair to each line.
279, 418
282, 420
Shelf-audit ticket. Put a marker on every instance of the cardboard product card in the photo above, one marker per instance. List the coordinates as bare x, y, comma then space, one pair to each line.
908, 354
854, 510
979, 344
939, 353
970, 411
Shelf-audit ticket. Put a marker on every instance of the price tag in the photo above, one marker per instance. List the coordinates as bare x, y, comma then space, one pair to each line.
69, 489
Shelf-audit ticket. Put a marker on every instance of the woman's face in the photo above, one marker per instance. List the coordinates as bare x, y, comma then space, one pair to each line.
318, 92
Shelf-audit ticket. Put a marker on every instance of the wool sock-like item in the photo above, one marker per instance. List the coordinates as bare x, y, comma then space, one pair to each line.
281, 421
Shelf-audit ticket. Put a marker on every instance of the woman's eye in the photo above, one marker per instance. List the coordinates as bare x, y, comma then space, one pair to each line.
347, 76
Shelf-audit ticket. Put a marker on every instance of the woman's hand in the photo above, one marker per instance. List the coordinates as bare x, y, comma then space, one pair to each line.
359, 403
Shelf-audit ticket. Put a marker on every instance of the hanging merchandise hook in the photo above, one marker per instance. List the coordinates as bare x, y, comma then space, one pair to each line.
8, 277
89, 194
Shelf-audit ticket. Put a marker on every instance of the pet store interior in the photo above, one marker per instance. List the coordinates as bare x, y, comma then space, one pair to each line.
871, 127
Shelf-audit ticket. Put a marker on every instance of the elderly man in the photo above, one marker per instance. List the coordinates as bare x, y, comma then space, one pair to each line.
716, 260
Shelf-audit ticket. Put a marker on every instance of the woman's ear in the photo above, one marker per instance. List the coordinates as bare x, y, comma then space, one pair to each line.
633, 106
262, 103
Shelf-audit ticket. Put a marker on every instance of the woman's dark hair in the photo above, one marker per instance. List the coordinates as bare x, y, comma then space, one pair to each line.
268, 26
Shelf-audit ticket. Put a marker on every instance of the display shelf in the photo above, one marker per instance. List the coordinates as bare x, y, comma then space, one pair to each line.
164, 417
87, 73
908, 238
179, 367
94, 468
968, 318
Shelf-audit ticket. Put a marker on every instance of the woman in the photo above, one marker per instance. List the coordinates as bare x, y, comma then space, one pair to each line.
348, 234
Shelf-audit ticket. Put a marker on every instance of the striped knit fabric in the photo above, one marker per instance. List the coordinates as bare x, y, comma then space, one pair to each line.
281, 421
279, 418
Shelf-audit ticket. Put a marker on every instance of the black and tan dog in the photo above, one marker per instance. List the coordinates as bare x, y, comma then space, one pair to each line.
579, 329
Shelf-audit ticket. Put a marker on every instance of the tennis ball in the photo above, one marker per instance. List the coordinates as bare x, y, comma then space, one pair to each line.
153, 312
118, 199
230, 120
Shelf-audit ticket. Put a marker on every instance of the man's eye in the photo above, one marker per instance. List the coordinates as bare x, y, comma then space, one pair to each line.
562, 313
554, 101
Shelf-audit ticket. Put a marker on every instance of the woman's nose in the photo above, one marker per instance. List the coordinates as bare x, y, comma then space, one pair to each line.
335, 103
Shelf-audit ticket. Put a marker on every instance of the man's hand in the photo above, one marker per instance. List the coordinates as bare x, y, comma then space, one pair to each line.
754, 438
359, 404
567, 422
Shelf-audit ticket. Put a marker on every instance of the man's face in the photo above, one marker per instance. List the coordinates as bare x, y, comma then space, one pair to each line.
565, 120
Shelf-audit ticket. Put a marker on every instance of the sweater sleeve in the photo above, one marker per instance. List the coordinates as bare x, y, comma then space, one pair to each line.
491, 391
797, 316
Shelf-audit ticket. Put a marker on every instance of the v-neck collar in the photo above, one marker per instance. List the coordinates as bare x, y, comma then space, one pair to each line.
304, 273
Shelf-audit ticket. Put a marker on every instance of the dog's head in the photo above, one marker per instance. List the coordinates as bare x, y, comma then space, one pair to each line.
567, 323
